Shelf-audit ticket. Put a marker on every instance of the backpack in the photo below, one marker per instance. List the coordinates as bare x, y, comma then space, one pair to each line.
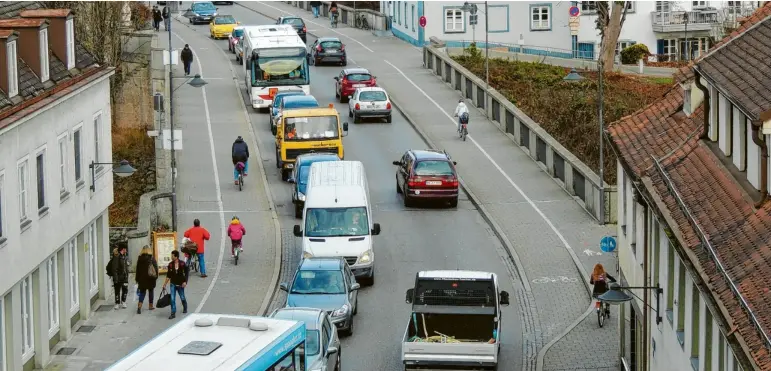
151, 272
464, 117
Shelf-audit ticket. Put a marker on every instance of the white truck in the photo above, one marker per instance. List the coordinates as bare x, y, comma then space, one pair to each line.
455, 321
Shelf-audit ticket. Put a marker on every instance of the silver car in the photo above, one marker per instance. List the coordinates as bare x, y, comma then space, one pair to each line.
322, 346
370, 102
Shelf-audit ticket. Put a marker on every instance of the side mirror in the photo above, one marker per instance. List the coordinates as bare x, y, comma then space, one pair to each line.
409, 295
376, 229
284, 287
331, 351
290, 180
355, 286
336, 78
297, 231
504, 298
345, 126
397, 163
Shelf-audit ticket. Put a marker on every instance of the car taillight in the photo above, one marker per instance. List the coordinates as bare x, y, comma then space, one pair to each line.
342, 48
357, 107
305, 29
388, 105
345, 81
415, 181
452, 182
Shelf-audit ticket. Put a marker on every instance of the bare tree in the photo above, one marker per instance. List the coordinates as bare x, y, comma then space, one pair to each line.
609, 23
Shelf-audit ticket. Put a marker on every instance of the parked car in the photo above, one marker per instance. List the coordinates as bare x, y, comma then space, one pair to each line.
297, 23
427, 175
351, 78
369, 103
328, 50
293, 102
239, 50
327, 284
222, 26
235, 36
323, 350
203, 12
299, 177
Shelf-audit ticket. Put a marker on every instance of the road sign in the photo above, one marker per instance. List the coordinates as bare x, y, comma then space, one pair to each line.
422, 21
574, 23
575, 11
608, 244
472, 19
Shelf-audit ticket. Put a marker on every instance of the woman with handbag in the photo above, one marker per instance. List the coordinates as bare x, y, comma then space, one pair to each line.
146, 277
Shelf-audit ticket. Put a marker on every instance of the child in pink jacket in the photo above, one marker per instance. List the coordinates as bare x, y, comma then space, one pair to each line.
236, 231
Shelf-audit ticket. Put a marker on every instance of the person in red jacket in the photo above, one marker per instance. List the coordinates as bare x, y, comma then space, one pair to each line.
198, 235
236, 231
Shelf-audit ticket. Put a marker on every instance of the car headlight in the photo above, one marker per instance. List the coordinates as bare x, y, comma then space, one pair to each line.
366, 257
342, 311
258, 101
307, 255
214, 15
196, 15
300, 196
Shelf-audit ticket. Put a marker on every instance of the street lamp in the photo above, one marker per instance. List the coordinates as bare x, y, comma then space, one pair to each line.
616, 296
471, 7
123, 170
197, 81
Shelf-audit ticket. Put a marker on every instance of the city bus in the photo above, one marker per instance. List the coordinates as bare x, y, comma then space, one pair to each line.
275, 59
206, 342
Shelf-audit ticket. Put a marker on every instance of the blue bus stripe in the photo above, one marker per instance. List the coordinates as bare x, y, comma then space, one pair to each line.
266, 357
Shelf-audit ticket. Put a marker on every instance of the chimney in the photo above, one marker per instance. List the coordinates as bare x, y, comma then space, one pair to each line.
9, 63
61, 36
32, 34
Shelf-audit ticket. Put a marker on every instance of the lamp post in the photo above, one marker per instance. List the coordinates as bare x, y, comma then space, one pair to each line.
123, 170
616, 295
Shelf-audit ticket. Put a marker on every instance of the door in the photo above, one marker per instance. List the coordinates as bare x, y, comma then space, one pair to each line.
586, 51
350, 279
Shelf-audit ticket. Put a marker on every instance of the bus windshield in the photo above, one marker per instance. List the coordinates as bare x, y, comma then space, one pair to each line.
311, 128
280, 67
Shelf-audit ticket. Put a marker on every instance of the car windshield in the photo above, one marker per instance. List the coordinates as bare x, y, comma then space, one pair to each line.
433, 168
372, 96
318, 282
331, 45
293, 21
227, 19
238, 33
311, 128
359, 77
203, 7
336, 222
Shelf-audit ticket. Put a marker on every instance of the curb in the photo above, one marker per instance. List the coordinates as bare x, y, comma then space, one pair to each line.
545, 348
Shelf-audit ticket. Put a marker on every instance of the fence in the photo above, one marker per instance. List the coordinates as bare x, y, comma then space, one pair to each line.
564, 167
377, 21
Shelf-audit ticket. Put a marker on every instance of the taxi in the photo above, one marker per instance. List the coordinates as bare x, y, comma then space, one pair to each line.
222, 26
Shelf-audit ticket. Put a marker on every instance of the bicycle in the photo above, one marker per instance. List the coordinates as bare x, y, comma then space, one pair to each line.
240, 180
237, 250
603, 310
334, 20
361, 22
463, 132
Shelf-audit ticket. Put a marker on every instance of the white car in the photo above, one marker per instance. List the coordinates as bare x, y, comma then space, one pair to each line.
371, 102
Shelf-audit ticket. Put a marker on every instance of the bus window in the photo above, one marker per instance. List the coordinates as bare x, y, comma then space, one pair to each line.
293, 361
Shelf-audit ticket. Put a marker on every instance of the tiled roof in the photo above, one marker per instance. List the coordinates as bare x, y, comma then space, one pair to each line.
29, 83
12, 9
758, 15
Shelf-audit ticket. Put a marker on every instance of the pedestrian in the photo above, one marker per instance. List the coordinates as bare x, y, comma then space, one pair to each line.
187, 58
198, 235
118, 269
146, 276
315, 6
176, 274
157, 17
166, 18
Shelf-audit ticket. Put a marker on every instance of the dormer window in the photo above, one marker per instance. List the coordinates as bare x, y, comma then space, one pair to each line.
687, 108
44, 71
13, 69
70, 44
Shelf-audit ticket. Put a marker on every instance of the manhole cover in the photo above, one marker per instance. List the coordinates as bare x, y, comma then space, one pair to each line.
66, 351
105, 308
86, 328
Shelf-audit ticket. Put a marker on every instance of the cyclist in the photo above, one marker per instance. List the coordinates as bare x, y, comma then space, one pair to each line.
236, 231
460, 110
600, 279
240, 153
333, 13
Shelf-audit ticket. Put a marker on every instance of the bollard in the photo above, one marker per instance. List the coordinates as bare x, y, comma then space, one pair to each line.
641, 64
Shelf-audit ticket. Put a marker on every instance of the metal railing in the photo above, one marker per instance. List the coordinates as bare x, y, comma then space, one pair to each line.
545, 51
692, 17
713, 254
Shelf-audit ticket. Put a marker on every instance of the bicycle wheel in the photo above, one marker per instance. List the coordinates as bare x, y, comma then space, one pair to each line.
235, 252
240, 182
465, 132
601, 316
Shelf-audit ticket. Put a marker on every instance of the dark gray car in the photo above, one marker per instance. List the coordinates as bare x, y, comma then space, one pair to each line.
327, 284
328, 50
322, 345
297, 23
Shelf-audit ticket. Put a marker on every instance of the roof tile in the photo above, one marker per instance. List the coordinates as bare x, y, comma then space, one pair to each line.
12, 9
29, 83
4, 34
57, 67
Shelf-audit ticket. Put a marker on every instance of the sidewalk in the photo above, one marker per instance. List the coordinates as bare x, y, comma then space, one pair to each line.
549, 231
210, 119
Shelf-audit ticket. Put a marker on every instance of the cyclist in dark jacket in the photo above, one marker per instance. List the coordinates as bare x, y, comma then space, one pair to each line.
600, 279
240, 153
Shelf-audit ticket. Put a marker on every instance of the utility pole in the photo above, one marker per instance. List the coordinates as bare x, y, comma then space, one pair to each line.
602, 141
173, 141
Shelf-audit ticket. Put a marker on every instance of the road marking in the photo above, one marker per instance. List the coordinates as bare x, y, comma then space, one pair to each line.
317, 24
216, 211
558, 279
216, 185
500, 170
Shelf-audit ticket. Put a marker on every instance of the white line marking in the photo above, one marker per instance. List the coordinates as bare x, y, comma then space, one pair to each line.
217, 211
500, 170
322, 26
216, 185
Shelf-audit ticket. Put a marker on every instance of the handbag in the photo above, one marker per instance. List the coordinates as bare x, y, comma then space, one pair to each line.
164, 300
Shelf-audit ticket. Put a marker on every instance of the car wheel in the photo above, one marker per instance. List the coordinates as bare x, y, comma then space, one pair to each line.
298, 211
343, 99
355, 119
388, 119
345, 63
454, 202
349, 331
339, 357
317, 62
398, 190
284, 175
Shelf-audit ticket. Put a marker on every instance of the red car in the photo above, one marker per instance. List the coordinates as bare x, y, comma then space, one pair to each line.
427, 175
350, 79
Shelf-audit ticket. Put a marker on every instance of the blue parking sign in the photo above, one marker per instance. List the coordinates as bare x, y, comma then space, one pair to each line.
608, 244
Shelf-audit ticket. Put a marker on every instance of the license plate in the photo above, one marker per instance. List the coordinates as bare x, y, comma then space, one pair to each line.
359, 85
331, 50
434, 182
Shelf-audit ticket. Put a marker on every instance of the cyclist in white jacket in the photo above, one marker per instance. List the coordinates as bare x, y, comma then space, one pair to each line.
460, 110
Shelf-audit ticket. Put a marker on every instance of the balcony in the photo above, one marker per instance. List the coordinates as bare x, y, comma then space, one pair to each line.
677, 21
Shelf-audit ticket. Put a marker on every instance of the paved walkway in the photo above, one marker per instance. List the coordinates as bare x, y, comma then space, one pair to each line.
554, 239
210, 119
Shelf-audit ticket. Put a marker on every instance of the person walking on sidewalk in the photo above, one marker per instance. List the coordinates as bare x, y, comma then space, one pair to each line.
146, 276
198, 235
176, 274
166, 18
240, 153
315, 6
187, 58
157, 17
118, 269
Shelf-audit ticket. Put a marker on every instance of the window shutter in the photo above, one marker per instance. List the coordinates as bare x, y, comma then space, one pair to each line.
660, 46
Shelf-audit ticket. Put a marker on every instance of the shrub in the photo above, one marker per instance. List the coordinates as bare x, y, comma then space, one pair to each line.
634, 53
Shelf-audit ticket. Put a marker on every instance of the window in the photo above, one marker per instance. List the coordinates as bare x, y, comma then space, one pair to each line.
41, 184
670, 281
453, 20
63, 162
623, 45
695, 317
588, 7
70, 44
23, 174
656, 242
663, 6
630, 6
540, 17
681, 304
97, 137
53, 296
707, 340
27, 323
2, 209
77, 152
92, 259
44, 55
670, 47
73, 269
687, 101
699, 4
13, 69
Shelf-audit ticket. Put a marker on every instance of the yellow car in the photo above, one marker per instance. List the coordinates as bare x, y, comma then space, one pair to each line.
222, 26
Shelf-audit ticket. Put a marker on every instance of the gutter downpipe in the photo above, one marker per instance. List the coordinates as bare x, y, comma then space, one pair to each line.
707, 108
646, 294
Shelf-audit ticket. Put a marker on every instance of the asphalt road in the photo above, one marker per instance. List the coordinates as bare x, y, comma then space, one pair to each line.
411, 239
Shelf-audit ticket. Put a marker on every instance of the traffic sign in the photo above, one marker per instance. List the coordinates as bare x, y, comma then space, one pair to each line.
608, 244
574, 23
575, 11
422, 21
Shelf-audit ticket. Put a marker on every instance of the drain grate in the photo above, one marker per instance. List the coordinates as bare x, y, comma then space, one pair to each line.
66, 351
105, 308
86, 328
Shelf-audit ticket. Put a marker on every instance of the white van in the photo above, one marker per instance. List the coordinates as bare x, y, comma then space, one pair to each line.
337, 218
